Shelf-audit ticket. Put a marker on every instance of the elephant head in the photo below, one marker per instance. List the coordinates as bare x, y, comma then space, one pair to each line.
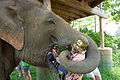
32, 29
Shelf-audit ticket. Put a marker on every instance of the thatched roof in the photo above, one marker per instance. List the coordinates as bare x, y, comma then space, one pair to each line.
75, 9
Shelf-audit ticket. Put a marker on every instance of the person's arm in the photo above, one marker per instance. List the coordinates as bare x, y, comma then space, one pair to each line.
56, 64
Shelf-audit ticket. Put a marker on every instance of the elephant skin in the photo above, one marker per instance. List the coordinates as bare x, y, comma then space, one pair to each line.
27, 32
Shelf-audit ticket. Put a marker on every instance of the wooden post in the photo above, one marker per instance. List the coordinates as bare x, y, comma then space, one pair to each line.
95, 23
47, 3
101, 33
105, 52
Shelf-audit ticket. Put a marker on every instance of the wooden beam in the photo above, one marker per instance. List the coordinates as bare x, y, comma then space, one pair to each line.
64, 16
98, 12
61, 12
95, 2
89, 0
68, 9
77, 5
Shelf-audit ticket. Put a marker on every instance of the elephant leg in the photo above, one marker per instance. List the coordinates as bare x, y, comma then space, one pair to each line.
8, 78
2, 71
2, 68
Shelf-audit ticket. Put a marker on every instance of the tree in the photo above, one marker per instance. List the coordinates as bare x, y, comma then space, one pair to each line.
112, 8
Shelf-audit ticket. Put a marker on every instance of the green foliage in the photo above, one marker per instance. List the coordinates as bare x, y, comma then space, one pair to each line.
112, 8
113, 74
116, 42
92, 34
110, 41
108, 74
85, 77
116, 58
14, 76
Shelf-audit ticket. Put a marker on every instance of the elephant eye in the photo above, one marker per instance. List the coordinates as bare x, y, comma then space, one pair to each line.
51, 21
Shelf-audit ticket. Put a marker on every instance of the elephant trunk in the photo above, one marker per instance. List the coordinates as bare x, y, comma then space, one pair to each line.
87, 65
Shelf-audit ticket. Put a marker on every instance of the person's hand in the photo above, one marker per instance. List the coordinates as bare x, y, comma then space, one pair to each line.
51, 57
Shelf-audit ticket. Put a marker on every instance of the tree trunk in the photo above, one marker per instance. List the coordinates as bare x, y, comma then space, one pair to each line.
46, 74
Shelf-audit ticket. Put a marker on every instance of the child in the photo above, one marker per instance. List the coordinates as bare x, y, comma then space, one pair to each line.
77, 54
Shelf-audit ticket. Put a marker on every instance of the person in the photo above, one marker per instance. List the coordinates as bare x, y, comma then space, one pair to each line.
59, 49
19, 69
26, 70
52, 59
94, 75
77, 54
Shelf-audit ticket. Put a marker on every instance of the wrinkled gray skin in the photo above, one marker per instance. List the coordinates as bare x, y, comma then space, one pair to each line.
27, 32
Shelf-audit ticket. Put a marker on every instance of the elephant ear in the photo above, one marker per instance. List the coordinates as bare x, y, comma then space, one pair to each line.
11, 29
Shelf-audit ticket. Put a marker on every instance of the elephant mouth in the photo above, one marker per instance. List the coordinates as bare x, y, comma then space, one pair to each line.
83, 66
57, 49
78, 43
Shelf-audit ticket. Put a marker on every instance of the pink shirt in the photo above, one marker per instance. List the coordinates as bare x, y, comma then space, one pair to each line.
76, 57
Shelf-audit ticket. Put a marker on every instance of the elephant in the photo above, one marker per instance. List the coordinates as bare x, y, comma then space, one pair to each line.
27, 32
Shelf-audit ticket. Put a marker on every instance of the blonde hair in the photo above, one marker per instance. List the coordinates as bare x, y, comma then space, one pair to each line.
79, 45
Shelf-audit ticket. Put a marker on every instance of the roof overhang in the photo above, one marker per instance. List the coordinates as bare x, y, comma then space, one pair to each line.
75, 9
